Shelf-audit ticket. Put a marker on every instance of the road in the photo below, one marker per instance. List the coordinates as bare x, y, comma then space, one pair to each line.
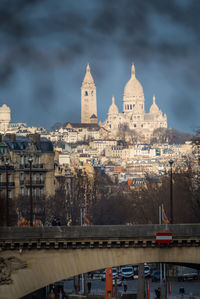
98, 287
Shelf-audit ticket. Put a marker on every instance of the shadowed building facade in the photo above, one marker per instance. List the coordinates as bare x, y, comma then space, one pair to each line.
15, 152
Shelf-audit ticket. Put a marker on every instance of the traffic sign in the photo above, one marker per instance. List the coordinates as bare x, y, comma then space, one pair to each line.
163, 237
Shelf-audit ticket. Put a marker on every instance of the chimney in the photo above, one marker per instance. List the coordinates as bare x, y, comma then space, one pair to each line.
1, 137
35, 138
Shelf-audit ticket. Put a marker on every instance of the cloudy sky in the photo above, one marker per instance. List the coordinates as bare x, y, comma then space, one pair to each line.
46, 45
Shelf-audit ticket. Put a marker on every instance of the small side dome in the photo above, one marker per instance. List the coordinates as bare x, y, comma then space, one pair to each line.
113, 108
154, 108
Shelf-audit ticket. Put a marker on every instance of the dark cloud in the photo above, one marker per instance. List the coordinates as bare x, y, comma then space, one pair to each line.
44, 35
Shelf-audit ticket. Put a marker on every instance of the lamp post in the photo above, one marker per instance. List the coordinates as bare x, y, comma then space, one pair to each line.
31, 195
171, 162
7, 195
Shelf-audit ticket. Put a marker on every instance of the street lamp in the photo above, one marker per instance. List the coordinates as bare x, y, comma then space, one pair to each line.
7, 195
31, 196
171, 162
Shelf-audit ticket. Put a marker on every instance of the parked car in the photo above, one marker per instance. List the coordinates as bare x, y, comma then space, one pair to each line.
155, 275
127, 272
114, 273
185, 273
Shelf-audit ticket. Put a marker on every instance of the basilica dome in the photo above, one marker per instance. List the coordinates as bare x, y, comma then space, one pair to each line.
133, 86
113, 108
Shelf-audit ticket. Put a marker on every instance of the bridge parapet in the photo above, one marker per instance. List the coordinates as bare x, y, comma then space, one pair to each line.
76, 237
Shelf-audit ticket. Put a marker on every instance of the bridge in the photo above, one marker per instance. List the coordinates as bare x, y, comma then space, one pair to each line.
32, 258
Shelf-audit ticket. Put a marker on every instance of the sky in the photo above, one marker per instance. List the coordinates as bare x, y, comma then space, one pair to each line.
46, 45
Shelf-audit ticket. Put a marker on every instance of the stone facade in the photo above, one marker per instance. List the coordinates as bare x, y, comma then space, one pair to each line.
134, 116
17, 151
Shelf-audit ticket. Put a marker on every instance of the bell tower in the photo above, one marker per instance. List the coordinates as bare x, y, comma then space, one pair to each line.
88, 98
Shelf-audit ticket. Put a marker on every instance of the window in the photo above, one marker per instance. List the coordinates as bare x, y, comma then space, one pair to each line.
134, 125
41, 192
21, 177
41, 178
37, 159
34, 178
86, 93
127, 107
34, 192
92, 92
9, 194
28, 191
21, 160
22, 191
131, 107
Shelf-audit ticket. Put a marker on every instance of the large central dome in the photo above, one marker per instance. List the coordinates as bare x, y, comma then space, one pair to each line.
133, 86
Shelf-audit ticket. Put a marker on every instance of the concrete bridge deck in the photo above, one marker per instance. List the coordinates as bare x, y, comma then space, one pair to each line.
96, 236
32, 258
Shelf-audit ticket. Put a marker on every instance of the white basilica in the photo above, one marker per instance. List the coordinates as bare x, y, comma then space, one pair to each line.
133, 115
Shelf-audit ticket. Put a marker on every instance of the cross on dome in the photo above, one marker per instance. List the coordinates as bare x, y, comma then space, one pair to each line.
88, 68
133, 70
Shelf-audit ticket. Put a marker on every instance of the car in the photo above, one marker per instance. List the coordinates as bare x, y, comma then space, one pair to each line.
114, 274
127, 272
103, 275
186, 273
147, 271
155, 275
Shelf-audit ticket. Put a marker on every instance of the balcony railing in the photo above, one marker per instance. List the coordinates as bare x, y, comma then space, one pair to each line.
38, 182
27, 166
4, 184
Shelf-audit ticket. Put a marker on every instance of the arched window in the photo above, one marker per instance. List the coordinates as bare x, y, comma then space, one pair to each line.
86, 93
127, 107
130, 106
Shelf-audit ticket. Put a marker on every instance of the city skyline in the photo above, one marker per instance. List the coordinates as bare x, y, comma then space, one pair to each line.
46, 47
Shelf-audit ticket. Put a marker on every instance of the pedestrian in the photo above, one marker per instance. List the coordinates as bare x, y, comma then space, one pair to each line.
89, 284
54, 222
60, 294
125, 286
52, 295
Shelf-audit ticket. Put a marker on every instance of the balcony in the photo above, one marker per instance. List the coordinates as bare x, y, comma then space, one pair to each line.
4, 184
36, 167
35, 183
